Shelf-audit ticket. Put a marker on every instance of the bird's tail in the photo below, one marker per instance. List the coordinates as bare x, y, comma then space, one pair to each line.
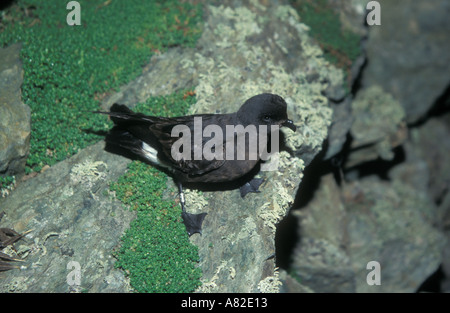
120, 134
121, 114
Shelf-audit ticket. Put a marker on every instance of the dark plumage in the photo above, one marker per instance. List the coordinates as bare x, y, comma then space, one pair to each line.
151, 138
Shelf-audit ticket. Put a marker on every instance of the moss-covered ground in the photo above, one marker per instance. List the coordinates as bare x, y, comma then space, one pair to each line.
69, 69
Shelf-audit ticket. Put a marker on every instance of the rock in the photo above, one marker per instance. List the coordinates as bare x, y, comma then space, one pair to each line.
320, 259
408, 53
378, 126
340, 127
342, 229
393, 224
248, 48
402, 220
427, 155
426, 169
73, 219
238, 56
14, 114
352, 15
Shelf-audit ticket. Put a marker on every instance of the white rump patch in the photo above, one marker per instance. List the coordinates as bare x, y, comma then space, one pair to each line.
150, 153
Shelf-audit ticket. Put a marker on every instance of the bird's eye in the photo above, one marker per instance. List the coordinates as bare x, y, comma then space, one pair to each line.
267, 118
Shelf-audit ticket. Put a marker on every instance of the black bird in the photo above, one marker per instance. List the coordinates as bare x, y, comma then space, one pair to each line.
153, 139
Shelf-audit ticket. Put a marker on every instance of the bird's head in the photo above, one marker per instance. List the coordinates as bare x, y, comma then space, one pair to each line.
265, 109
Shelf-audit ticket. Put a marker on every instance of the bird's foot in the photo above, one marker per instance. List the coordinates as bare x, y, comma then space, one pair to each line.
193, 222
251, 186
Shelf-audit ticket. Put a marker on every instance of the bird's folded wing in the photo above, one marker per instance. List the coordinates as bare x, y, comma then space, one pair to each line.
190, 166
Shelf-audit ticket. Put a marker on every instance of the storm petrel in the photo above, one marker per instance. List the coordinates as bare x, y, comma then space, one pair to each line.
198, 156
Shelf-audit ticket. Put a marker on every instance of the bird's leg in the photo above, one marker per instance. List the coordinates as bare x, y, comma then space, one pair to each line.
251, 186
193, 222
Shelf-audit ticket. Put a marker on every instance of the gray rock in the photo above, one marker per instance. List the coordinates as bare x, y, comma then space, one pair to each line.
378, 126
401, 223
73, 219
352, 15
408, 54
14, 114
393, 224
426, 167
340, 127
320, 259
341, 230
427, 170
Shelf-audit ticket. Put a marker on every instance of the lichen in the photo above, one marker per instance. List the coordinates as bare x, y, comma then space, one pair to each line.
380, 121
273, 211
210, 285
288, 163
36, 247
17, 284
88, 172
270, 284
196, 200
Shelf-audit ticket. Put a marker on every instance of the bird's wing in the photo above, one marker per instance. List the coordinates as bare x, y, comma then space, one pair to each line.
190, 166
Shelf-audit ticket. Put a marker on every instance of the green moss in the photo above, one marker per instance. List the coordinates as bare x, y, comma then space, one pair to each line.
341, 47
7, 184
156, 251
176, 104
6, 181
69, 69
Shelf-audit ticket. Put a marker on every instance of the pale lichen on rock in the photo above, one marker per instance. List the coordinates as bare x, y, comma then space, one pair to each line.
270, 284
273, 211
379, 115
88, 172
379, 125
196, 200
211, 286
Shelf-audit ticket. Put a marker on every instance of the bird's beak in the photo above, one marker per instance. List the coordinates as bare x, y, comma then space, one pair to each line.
289, 124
